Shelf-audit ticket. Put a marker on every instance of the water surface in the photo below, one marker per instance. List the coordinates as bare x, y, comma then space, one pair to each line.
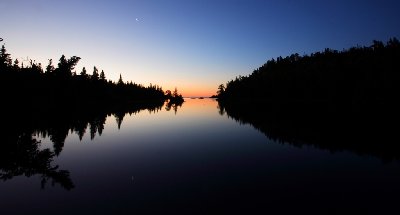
194, 159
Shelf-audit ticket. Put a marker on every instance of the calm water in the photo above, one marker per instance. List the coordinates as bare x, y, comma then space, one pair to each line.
197, 161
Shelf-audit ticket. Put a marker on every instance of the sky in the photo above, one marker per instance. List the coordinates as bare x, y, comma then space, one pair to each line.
193, 45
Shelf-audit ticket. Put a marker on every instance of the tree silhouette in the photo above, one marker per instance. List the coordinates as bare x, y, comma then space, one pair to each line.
23, 157
221, 89
359, 77
95, 75
304, 98
61, 88
50, 68
84, 73
102, 76
16, 65
5, 59
120, 81
65, 66
174, 97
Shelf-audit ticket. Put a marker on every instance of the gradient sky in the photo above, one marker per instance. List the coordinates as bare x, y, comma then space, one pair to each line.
194, 45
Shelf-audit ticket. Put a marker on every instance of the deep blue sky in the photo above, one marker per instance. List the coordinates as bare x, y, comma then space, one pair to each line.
192, 44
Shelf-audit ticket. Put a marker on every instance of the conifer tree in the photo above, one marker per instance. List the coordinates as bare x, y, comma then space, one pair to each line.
120, 81
5, 59
95, 75
102, 76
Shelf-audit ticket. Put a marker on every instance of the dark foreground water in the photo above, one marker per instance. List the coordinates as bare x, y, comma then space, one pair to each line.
192, 161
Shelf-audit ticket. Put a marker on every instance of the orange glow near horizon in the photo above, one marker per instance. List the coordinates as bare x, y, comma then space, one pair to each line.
191, 88
195, 91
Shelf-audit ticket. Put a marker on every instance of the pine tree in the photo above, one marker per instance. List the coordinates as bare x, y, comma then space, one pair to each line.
5, 59
16, 65
102, 76
95, 75
120, 81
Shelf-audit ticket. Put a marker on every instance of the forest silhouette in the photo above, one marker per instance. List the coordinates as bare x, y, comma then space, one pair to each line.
62, 88
336, 100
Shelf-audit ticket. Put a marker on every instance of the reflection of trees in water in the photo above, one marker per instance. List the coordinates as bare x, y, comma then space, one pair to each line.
21, 153
22, 156
173, 105
58, 127
119, 117
221, 109
358, 132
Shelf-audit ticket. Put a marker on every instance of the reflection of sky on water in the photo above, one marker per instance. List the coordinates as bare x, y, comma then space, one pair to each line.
197, 158
197, 128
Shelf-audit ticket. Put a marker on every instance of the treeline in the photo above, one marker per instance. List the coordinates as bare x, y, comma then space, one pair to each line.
61, 87
351, 79
335, 100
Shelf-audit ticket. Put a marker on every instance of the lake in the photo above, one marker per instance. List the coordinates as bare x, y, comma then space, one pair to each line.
189, 159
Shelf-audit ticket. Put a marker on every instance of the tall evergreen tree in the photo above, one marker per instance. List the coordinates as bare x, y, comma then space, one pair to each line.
95, 75
5, 59
102, 76
120, 81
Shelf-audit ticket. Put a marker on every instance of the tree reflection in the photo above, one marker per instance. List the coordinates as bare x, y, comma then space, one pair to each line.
21, 153
173, 105
23, 157
299, 125
57, 126
119, 117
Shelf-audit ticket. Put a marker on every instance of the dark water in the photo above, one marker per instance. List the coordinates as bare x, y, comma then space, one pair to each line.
192, 161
